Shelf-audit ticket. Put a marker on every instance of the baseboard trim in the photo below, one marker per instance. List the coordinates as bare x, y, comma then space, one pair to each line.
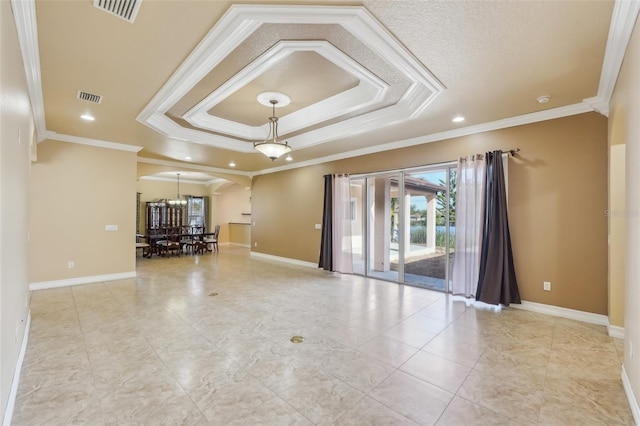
8, 413
557, 311
615, 331
631, 398
284, 259
239, 245
229, 243
43, 285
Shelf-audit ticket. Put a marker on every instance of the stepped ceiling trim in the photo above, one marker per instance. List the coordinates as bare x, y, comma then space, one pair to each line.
237, 25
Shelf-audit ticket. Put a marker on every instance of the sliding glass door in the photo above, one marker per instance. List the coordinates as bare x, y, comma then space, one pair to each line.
404, 226
383, 226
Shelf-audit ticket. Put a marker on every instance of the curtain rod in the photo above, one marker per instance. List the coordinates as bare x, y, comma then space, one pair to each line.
337, 174
511, 152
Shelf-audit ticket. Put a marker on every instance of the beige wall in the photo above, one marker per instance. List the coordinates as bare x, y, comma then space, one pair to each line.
230, 203
16, 136
240, 234
625, 130
76, 191
617, 222
557, 202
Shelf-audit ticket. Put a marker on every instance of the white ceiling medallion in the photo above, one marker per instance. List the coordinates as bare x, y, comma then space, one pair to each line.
238, 24
267, 98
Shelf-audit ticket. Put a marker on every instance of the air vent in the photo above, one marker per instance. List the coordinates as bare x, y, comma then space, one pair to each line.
125, 9
84, 96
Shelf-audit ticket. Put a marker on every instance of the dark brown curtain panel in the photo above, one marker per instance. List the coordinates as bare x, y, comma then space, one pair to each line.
326, 242
497, 280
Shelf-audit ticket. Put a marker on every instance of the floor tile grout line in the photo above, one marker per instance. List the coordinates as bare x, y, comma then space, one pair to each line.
84, 342
546, 372
170, 371
275, 393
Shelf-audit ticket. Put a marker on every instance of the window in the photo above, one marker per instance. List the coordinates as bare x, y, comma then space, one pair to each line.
196, 211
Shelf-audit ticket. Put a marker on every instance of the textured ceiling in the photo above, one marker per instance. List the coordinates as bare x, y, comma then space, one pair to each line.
487, 61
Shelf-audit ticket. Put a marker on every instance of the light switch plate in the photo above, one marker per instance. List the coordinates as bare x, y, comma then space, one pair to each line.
111, 228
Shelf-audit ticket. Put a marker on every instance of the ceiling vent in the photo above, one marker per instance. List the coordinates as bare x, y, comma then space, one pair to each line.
84, 96
125, 9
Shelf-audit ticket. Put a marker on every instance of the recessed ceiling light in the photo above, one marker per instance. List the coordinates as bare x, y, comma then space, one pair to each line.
87, 117
187, 158
289, 158
232, 164
543, 99
458, 119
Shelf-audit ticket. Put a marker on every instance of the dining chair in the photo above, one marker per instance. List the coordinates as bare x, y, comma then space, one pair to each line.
213, 239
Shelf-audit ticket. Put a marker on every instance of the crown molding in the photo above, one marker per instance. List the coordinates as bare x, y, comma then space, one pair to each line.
90, 142
625, 15
520, 120
195, 167
598, 104
24, 14
173, 180
623, 19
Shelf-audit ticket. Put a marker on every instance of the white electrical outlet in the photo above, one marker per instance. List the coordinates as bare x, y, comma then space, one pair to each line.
255, 244
318, 226
71, 264
547, 286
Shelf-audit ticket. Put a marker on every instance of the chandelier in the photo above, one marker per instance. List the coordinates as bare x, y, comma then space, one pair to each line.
272, 147
178, 202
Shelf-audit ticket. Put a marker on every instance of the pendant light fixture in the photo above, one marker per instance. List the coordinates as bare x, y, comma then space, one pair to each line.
178, 202
272, 147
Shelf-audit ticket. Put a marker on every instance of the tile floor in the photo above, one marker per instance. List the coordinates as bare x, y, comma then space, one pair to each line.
161, 349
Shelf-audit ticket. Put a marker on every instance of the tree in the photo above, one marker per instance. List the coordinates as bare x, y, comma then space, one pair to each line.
441, 206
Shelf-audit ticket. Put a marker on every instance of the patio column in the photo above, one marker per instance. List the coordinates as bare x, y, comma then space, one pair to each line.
431, 223
382, 225
407, 224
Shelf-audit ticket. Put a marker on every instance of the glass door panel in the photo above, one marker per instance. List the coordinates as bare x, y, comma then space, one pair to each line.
426, 210
383, 226
358, 220
451, 226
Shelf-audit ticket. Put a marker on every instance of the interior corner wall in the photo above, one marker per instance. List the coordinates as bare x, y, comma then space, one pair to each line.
233, 206
625, 130
16, 137
557, 204
76, 191
616, 214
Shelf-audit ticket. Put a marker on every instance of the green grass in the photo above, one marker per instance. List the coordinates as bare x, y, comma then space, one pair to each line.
440, 239
419, 236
